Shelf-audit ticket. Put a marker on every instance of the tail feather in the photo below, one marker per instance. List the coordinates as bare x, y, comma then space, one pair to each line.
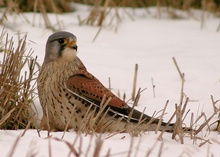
136, 116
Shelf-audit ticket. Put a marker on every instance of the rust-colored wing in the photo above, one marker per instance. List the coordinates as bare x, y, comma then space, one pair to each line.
87, 86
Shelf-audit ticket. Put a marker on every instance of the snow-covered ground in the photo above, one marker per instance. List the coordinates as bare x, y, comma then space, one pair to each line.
149, 42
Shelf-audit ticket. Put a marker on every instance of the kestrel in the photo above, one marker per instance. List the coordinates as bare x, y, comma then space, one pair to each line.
68, 92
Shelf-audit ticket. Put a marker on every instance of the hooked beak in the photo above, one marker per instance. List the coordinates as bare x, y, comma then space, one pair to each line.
72, 44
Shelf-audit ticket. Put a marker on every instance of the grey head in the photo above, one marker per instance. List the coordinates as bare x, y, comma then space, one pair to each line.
60, 45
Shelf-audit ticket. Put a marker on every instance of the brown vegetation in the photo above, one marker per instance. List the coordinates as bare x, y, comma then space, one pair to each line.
16, 84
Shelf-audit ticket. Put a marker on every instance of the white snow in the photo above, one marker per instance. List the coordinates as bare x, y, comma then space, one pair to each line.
149, 42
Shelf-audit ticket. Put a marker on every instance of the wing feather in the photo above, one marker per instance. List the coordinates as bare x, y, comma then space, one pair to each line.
86, 85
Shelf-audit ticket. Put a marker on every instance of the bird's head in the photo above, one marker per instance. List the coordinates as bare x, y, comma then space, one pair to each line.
61, 45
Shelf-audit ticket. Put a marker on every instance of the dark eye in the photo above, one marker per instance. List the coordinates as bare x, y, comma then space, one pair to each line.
61, 41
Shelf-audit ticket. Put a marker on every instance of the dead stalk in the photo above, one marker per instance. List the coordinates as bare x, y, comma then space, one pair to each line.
178, 125
204, 6
162, 132
161, 149
214, 104
12, 150
130, 147
182, 76
151, 149
49, 148
68, 121
28, 126
109, 84
191, 125
153, 86
100, 28
135, 82
204, 124
218, 28
137, 147
161, 117
71, 148
89, 147
136, 100
158, 9
177, 67
98, 147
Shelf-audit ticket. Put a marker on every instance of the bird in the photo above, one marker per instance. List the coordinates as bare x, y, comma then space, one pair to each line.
72, 98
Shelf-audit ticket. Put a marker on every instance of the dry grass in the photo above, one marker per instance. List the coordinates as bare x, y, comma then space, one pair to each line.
37, 6
57, 6
16, 85
106, 13
100, 9
194, 129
